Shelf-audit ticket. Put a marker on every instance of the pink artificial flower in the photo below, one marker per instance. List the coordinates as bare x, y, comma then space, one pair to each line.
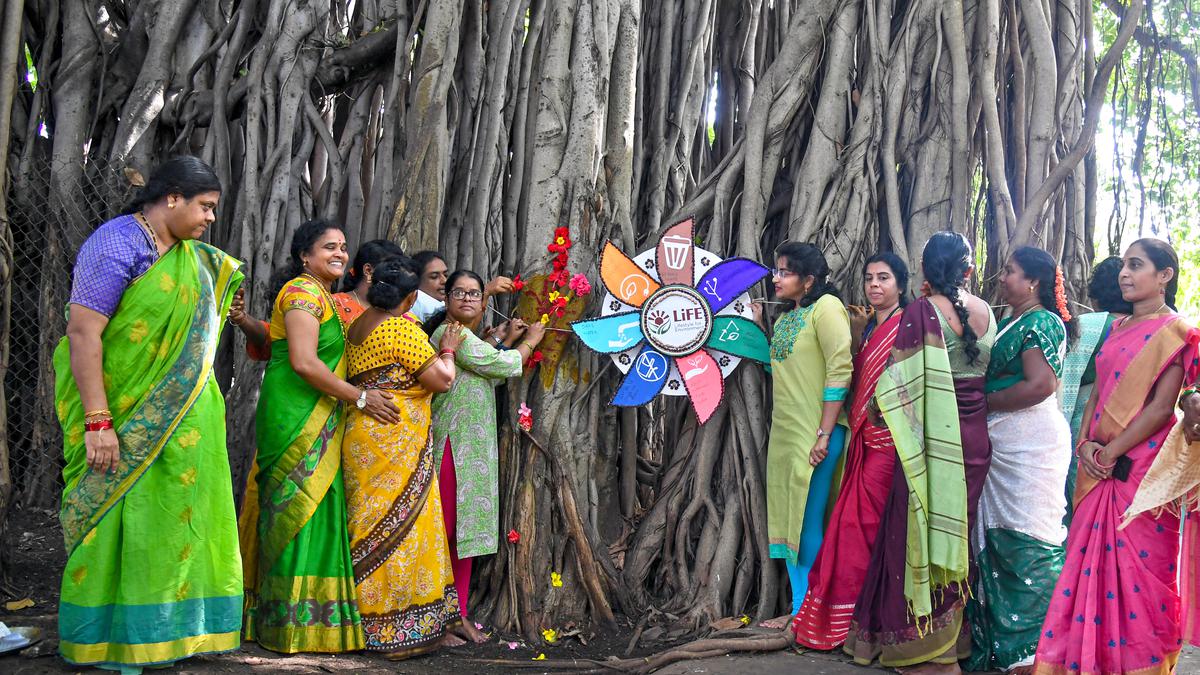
581, 286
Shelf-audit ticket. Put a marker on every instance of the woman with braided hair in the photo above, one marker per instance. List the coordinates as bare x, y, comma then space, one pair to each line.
1018, 538
909, 614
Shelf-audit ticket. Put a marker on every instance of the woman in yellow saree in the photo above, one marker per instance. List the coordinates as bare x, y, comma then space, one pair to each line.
397, 537
299, 586
152, 573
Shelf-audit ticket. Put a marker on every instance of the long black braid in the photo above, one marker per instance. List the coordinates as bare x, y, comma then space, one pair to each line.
945, 261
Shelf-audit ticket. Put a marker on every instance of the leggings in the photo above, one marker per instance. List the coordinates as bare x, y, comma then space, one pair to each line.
448, 490
812, 532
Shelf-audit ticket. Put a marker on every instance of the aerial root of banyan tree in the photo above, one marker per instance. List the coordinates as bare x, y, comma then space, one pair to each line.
477, 128
698, 649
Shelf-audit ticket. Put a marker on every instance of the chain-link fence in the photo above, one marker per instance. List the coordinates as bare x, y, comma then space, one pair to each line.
50, 216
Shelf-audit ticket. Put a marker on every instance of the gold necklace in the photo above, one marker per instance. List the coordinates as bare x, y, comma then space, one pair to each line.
325, 295
145, 223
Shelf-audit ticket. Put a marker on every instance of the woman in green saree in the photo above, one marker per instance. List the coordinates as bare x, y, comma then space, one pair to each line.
299, 577
152, 573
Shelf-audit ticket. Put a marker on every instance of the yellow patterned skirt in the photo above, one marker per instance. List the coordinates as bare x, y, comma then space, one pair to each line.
397, 538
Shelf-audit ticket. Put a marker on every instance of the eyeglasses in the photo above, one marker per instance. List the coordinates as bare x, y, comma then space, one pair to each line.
781, 272
460, 294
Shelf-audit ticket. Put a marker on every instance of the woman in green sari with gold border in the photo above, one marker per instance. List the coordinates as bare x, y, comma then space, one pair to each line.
300, 594
152, 573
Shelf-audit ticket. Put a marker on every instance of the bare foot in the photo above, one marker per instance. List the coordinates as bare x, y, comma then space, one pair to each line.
452, 640
468, 630
931, 669
778, 623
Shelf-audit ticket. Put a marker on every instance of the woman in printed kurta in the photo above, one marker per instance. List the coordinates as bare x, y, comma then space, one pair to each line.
1079, 367
397, 539
1018, 538
464, 429
299, 582
1117, 607
152, 573
910, 611
811, 368
841, 565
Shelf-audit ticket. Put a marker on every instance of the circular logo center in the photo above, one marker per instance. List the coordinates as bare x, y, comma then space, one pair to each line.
676, 320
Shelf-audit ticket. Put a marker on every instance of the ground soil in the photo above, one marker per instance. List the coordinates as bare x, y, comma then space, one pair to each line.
36, 559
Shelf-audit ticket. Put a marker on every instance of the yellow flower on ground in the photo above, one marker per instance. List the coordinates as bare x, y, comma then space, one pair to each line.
744, 619
556, 579
550, 635
540, 657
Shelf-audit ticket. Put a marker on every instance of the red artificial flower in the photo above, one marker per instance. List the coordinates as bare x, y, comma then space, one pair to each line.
559, 278
536, 357
559, 302
560, 261
518, 284
513, 536
559, 312
561, 241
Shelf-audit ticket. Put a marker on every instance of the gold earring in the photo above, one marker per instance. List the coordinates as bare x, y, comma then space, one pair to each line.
170, 205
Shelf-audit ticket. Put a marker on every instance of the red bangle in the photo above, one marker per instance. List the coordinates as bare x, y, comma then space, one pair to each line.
1098, 462
100, 425
446, 351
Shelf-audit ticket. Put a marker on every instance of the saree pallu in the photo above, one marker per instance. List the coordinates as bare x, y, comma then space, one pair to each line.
1073, 393
841, 565
910, 609
1018, 539
301, 596
402, 570
1117, 608
153, 574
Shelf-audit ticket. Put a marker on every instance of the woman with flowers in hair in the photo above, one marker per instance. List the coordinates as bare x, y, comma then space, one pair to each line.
1018, 537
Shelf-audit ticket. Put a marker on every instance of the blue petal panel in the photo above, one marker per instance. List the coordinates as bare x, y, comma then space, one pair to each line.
645, 380
610, 334
726, 280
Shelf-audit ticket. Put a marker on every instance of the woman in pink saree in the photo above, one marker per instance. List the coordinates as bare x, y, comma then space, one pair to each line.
1117, 607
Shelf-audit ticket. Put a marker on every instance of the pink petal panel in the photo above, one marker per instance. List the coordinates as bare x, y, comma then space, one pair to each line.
702, 378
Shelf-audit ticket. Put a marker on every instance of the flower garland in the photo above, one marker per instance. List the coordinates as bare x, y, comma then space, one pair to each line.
1060, 295
551, 303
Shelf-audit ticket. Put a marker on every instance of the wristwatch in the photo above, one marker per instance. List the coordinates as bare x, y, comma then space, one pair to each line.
362, 400
821, 433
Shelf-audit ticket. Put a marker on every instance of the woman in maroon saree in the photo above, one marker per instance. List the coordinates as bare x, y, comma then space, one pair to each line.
910, 609
837, 573
1117, 607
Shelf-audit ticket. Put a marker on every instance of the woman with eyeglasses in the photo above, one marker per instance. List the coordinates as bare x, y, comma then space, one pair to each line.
464, 427
812, 366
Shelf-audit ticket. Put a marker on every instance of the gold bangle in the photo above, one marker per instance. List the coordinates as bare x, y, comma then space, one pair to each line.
527, 343
98, 413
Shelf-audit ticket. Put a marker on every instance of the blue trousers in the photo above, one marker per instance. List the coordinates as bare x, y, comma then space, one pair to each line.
812, 532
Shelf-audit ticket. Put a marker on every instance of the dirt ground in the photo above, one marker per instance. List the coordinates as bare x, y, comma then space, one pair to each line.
38, 559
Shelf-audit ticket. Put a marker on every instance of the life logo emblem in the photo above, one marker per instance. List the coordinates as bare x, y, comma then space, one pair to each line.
651, 367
